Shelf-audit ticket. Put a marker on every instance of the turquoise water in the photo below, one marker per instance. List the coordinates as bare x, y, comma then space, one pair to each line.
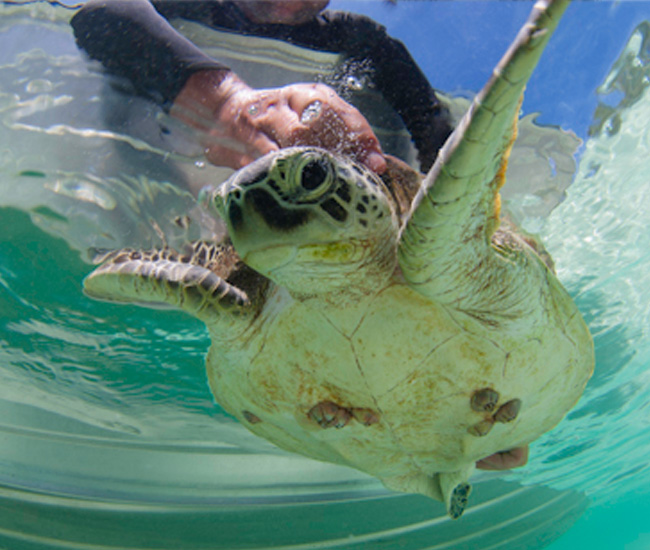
109, 436
617, 525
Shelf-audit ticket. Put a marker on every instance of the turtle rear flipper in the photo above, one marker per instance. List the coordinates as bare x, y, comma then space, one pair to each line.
450, 233
194, 282
451, 488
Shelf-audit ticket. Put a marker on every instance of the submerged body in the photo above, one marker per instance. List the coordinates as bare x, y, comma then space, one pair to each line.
397, 311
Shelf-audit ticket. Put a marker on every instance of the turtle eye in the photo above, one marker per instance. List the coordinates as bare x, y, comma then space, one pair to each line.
315, 176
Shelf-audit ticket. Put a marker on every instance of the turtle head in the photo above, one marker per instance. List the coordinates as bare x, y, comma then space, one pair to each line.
310, 220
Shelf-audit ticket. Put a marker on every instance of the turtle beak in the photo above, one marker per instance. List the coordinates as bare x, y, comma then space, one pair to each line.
212, 199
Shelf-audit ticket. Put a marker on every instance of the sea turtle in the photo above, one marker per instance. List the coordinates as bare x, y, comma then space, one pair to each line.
402, 313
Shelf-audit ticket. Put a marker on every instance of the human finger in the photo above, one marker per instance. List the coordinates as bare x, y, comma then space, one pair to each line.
279, 123
223, 156
235, 154
235, 135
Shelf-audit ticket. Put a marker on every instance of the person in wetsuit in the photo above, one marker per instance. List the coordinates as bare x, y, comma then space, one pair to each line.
353, 63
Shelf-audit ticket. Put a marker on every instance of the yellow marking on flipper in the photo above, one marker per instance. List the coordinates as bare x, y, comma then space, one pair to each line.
500, 177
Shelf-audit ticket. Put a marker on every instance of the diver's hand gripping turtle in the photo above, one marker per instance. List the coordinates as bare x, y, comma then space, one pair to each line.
398, 311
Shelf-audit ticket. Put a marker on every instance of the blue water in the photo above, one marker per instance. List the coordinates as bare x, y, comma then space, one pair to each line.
125, 387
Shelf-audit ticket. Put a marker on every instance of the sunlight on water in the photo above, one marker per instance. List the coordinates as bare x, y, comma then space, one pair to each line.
600, 241
70, 188
79, 358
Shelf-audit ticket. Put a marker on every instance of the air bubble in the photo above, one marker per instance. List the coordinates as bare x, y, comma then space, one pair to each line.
353, 83
39, 86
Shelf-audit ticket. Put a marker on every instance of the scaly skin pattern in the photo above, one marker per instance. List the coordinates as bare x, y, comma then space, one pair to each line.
408, 343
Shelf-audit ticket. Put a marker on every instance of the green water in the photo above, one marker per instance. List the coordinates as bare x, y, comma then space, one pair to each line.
109, 437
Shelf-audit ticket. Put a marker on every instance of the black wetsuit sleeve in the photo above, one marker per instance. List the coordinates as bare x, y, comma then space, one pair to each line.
410, 94
395, 74
403, 84
132, 40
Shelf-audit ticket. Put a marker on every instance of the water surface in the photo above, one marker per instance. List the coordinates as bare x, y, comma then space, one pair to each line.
106, 418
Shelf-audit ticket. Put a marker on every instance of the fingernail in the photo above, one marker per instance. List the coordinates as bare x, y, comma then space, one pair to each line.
376, 163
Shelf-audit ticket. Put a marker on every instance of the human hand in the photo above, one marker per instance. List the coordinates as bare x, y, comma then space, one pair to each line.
240, 123
505, 460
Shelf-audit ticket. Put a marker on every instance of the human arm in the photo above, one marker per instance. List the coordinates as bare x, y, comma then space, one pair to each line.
239, 123
132, 40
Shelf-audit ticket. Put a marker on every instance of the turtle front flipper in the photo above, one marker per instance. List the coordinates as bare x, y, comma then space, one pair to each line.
194, 282
449, 235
